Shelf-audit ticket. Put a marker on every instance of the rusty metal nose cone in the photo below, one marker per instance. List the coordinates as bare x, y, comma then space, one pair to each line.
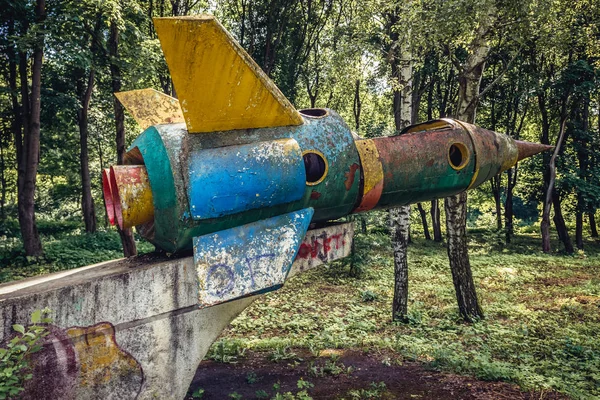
528, 149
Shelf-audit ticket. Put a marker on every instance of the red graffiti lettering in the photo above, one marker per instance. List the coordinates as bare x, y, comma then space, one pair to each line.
304, 250
320, 246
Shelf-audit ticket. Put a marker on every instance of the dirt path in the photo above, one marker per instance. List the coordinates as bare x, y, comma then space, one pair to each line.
344, 375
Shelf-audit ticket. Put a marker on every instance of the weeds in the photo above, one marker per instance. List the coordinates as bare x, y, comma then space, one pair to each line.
542, 312
331, 367
226, 351
375, 391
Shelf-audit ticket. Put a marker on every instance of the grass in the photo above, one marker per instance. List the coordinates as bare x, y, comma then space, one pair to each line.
65, 245
540, 331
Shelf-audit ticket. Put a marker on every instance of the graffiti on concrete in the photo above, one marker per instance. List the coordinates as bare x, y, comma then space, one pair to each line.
83, 363
324, 245
320, 246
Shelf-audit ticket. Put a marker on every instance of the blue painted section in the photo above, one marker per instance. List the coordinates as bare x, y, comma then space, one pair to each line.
250, 259
233, 179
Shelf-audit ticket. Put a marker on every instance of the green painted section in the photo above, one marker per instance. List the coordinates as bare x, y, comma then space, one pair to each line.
160, 174
336, 195
416, 166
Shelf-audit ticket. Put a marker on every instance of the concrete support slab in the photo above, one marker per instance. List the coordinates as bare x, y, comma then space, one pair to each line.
131, 328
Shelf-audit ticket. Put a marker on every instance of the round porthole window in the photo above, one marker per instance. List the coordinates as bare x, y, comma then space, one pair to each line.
458, 156
313, 112
316, 167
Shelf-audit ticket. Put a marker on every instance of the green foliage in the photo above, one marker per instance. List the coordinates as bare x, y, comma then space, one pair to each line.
282, 353
226, 351
331, 367
252, 378
64, 249
301, 395
368, 295
198, 393
374, 391
15, 367
540, 329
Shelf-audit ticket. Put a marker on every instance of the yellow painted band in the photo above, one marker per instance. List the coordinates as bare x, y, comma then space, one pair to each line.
371, 164
465, 155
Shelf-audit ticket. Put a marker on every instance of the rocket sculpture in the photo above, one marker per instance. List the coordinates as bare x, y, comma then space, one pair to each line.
233, 170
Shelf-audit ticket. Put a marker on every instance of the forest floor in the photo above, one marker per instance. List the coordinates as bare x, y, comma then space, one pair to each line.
331, 328
344, 374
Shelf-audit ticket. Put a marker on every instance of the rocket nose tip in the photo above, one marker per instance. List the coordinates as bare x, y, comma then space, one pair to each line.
528, 149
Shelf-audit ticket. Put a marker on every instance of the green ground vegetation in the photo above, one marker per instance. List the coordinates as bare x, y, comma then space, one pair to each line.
540, 331
66, 246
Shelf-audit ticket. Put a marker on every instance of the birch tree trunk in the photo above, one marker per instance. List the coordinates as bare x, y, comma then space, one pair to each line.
456, 206
548, 199
400, 217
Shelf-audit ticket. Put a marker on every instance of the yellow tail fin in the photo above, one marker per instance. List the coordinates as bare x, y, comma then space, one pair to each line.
218, 84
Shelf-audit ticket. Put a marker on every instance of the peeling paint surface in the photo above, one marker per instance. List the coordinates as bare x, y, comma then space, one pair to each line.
83, 363
151, 107
250, 259
105, 370
131, 195
372, 174
233, 179
416, 167
494, 153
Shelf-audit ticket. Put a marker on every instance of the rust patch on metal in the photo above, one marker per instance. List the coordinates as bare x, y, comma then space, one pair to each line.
350, 176
371, 198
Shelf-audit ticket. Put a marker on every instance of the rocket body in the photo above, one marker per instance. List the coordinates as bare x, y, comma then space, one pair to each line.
207, 183
232, 150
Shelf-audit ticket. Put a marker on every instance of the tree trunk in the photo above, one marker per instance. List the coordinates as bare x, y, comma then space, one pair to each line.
593, 227
424, 221
31, 108
508, 204
2, 182
357, 105
559, 223
399, 224
582, 157
548, 199
496, 182
456, 206
127, 239
401, 65
87, 202
462, 277
579, 227
436, 224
